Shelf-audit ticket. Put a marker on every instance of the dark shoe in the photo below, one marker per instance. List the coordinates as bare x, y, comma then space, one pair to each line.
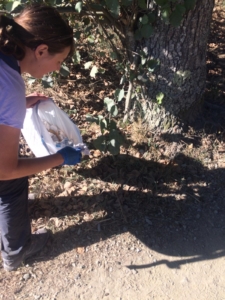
38, 241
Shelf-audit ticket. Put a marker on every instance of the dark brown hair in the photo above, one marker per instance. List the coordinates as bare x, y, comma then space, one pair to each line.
37, 24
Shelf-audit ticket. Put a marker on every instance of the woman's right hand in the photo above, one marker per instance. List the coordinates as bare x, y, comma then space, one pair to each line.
12, 166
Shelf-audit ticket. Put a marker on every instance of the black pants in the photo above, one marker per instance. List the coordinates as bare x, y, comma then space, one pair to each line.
14, 220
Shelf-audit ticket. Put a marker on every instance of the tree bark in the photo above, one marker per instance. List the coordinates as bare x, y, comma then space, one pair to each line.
181, 75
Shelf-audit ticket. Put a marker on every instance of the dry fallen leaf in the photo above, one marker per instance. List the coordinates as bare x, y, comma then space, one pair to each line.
56, 221
97, 153
88, 217
67, 185
80, 250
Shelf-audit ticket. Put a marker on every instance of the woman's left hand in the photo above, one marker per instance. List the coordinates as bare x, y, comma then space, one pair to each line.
32, 99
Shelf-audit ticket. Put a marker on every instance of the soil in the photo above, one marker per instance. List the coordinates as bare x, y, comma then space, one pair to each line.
145, 225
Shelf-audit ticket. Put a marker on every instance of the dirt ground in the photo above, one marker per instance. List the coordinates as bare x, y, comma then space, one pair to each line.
146, 225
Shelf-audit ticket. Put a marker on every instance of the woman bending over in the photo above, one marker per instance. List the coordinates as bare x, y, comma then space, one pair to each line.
37, 41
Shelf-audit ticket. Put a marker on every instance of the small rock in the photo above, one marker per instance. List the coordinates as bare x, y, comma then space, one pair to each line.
78, 276
26, 276
31, 196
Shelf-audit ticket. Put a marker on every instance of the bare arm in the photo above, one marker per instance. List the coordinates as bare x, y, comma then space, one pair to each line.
11, 166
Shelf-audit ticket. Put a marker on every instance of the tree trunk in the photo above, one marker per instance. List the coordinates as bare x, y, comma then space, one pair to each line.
181, 75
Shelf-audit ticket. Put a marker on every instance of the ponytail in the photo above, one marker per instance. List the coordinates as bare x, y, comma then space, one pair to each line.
10, 43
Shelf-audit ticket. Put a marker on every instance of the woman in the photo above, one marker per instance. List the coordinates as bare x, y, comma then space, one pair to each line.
36, 42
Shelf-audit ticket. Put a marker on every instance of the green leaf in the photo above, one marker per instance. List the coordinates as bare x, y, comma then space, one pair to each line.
126, 2
76, 57
88, 64
52, 2
92, 119
101, 70
101, 54
143, 60
78, 6
77, 35
31, 80
119, 94
142, 4
111, 106
109, 103
180, 8
152, 64
112, 125
111, 36
47, 81
100, 143
114, 7
113, 55
88, 29
91, 39
132, 75
103, 124
189, 4
177, 15
151, 17
114, 142
94, 71
146, 31
142, 78
86, 21
143, 53
161, 2
144, 19
123, 79
137, 35
114, 150
114, 111
100, 117
10, 6
64, 71
159, 98
96, 6
165, 12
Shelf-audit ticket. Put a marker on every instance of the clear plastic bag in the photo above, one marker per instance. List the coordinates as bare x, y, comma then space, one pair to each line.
47, 129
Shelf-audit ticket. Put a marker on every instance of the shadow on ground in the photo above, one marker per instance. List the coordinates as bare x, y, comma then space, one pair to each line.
182, 213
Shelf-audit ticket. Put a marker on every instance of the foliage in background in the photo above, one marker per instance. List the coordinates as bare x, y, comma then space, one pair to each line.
119, 21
